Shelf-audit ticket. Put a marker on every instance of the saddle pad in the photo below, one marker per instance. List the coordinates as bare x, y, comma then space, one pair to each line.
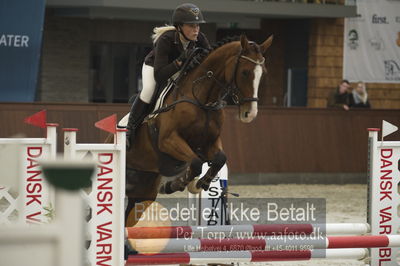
161, 98
124, 121
159, 103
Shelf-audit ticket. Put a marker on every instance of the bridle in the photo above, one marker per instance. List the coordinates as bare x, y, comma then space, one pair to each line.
231, 88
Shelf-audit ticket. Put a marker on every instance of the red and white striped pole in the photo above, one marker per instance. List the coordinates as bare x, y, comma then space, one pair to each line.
243, 256
267, 243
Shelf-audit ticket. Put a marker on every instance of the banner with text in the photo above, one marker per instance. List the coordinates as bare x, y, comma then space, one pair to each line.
21, 27
372, 42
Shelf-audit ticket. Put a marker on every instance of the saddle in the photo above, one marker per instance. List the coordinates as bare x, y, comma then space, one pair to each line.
195, 58
157, 102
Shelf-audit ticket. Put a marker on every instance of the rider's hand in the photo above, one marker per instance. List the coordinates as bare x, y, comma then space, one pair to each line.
198, 58
183, 57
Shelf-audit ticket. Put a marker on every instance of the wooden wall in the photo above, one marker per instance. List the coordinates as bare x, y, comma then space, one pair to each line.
301, 140
280, 140
325, 67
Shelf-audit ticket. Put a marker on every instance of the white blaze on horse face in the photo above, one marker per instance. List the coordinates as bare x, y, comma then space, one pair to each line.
248, 115
256, 82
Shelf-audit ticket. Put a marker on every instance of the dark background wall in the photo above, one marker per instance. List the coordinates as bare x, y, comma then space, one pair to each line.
313, 47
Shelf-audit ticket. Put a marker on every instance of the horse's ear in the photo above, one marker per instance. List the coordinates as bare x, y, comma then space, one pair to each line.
244, 42
265, 45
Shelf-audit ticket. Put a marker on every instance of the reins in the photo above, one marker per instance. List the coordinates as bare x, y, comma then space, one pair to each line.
231, 89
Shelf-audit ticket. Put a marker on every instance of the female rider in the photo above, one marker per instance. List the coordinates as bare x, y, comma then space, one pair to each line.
171, 48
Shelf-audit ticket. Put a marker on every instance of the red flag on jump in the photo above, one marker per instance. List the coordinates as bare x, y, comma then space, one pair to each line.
38, 119
108, 124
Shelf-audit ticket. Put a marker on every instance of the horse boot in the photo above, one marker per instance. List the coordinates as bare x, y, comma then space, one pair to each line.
137, 114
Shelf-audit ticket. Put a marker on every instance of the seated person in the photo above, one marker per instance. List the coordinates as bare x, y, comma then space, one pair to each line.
340, 98
359, 96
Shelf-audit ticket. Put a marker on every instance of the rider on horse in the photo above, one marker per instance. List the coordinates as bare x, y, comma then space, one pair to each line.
172, 46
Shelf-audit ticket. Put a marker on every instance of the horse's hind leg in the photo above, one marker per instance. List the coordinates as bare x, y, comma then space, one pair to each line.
217, 163
183, 180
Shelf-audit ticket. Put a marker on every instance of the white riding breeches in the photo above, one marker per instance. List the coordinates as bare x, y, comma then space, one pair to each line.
149, 83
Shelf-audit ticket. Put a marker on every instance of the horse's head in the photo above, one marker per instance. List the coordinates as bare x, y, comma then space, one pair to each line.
245, 75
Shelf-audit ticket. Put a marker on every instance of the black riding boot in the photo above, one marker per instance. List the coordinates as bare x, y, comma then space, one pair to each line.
136, 116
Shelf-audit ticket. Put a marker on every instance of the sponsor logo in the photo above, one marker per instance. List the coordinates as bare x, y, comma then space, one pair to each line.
14, 40
377, 43
379, 20
392, 70
352, 39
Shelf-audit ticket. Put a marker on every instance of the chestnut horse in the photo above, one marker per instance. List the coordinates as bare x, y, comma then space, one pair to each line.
177, 141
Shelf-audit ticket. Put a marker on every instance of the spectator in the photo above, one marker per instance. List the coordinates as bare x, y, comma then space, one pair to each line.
340, 98
359, 96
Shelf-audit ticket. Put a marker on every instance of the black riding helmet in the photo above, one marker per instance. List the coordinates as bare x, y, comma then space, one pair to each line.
186, 14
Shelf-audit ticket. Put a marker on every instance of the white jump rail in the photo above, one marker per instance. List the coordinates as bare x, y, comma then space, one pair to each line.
105, 232
37, 195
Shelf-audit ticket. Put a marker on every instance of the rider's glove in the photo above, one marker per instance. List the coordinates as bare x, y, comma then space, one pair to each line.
183, 56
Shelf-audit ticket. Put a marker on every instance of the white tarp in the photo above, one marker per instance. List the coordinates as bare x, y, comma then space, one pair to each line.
372, 42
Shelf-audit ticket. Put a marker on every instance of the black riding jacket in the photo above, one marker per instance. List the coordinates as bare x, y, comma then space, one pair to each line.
168, 48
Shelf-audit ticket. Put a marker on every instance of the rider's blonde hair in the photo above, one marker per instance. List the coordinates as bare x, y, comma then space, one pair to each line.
158, 31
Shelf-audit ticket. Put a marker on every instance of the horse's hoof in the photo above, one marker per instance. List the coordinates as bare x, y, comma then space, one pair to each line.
205, 186
181, 188
192, 186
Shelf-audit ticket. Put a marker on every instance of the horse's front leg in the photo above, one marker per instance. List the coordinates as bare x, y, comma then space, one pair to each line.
217, 161
177, 147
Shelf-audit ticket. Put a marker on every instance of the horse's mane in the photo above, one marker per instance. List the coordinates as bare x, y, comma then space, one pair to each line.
198, 59
225, 41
